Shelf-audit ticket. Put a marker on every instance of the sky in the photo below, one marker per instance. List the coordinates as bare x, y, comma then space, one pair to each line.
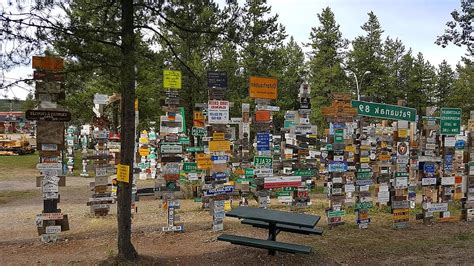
416, 23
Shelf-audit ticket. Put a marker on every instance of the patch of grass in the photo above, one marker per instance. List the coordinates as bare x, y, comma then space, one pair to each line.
9, 196
28, 161
465, 236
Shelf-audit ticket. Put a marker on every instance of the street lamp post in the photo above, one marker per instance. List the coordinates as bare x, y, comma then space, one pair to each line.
357, 81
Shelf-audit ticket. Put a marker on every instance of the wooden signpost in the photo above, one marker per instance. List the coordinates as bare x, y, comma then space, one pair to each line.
50, 140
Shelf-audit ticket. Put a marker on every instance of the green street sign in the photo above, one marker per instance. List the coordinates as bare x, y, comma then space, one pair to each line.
288, 123
248, 172
283, 193
450, 121
305, 172
364, 205
263, 161
364, 175
194, 149
189, 167
240, 180
289, 189
184, 140
384, 111
339, 136
199, 131
332, 214
329, 147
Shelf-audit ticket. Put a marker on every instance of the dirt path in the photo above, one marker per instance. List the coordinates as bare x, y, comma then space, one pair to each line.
93, 240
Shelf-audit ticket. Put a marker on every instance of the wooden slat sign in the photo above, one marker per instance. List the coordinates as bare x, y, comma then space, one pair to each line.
123, 172
171, 79
48, 63
263, 88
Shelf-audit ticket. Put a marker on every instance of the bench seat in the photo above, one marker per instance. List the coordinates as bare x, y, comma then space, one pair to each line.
264, 244
284, 227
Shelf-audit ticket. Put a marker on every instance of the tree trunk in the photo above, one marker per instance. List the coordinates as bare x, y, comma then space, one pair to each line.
124, 191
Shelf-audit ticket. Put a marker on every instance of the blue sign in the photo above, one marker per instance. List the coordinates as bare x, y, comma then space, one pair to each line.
219, 175
218, 191
459, 145
337, 167
364, 182
263, 142
219, 157
429, 168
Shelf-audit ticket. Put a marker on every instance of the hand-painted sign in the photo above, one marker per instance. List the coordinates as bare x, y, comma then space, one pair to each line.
263, 88
123, 173
48, 115
384, 111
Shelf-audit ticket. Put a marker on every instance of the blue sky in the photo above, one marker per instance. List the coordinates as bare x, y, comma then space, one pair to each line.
416, 23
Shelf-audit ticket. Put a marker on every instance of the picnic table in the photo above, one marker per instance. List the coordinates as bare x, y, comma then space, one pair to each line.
275, 222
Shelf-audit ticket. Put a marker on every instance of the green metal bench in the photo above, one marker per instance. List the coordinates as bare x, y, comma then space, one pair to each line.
264, 244
284, 227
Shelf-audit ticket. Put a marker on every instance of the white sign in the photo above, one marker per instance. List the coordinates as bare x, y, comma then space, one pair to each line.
401, 182
218, 112
428, 181
430, 146
100, 171
285, 199
447, 180
49, 147
170, 148
268, 108
263, 171
449, 141
49, 166
437, 207
50, 187
349, 188
50, 179
100, 98
53, 229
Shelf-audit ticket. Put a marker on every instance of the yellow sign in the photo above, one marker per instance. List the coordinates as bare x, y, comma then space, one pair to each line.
401, 214
198, 115
239, 171
263, 88
171, 79
402, 132
219, 145
385, 157
136, 105
123, 172
144, 151
364, 159
204, 164
227, 206
218, 136
350, 148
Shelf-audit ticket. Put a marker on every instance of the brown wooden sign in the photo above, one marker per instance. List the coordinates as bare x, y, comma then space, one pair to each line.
346, 97
48, 63
50, 132
47, 76
48, 115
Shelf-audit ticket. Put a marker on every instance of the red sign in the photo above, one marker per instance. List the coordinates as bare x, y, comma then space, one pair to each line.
48, 63
262, 116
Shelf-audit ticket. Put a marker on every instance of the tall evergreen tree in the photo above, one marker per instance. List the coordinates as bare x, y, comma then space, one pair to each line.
421, 84
325, 64
444, 84
393, 52
367, 55
463, 91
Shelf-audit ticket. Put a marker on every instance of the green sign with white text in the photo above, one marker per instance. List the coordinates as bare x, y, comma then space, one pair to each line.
384, 111
450, 121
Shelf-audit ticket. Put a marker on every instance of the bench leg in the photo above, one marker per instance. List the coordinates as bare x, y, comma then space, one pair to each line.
272, 233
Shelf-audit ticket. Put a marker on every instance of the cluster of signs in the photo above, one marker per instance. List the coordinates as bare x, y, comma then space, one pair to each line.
50, 119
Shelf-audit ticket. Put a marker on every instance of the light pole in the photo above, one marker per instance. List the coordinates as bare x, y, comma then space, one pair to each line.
357, 82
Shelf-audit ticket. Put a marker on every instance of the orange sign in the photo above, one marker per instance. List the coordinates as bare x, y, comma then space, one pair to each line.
262, 116
48, 63
263, 88
219, 145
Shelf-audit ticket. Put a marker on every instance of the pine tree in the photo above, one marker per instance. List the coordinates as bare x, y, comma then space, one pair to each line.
325, 65
367, 55
393, 52
445, 83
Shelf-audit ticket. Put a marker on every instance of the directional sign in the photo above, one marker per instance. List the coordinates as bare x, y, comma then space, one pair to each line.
384, 111
450, 121
48, 115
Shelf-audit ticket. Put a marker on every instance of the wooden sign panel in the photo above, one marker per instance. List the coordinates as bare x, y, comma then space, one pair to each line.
50, 132
48, 63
